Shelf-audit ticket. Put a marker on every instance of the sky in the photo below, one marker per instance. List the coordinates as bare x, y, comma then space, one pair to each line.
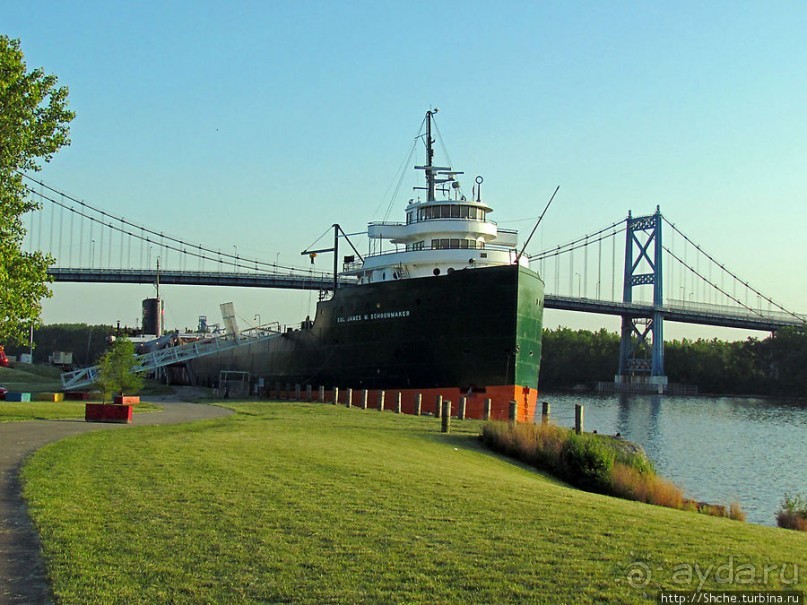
254, 126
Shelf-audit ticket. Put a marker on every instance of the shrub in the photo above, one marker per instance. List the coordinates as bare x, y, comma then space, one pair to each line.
793, 514
587, 462
598, 463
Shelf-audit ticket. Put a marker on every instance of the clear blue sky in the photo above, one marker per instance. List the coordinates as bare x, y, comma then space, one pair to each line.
259, 124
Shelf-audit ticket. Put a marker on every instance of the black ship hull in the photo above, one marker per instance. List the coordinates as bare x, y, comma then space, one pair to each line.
472, 330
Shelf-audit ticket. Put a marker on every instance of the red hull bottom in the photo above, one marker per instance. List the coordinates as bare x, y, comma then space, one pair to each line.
500, 397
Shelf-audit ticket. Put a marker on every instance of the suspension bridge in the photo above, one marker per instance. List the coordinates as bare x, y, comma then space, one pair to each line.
645, 280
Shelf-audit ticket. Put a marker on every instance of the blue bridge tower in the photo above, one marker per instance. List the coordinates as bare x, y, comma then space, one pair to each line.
641, 354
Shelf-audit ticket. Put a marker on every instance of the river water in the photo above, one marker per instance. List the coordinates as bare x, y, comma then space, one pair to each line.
719, 449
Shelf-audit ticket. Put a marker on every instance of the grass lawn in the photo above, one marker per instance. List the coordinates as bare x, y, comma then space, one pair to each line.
293, 502
11, 411
29, 378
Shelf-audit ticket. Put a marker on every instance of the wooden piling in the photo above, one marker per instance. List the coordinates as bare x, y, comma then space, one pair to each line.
398, 406
446, 415
365, 394
486, 411
438, 406
335, 395
578, 418
297, 391
321, 394
380, 401
348, 398
513, 412
418, 403
308, 394
461, 410
545, 412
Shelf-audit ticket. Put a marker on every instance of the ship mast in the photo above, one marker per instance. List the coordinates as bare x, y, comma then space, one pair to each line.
429, 156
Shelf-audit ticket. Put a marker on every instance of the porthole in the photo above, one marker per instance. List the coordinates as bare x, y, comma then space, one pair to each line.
450, 270
436, 271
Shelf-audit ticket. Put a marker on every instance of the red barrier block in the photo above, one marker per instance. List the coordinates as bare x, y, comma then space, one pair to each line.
104, 412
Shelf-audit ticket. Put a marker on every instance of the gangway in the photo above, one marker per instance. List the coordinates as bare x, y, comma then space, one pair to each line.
148, 362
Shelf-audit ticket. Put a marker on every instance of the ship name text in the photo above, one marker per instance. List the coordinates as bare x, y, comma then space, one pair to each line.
343, 319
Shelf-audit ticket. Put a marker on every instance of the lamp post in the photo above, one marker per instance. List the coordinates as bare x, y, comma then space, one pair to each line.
578, 285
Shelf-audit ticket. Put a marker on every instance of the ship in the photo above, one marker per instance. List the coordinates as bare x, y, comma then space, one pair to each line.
443, 306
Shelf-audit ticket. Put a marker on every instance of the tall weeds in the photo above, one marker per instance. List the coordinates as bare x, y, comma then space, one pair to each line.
597, 463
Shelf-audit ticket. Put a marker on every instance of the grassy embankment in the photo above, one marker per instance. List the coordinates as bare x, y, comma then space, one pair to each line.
28, 378
317, 503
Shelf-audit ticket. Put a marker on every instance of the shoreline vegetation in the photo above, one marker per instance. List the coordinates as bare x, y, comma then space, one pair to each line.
596, 463
314, 503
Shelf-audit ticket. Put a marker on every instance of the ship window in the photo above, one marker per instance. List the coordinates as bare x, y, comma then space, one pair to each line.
408, 218
464, 211
455, 211
435, 244
384, 275
444, 243
454, 243
464, 244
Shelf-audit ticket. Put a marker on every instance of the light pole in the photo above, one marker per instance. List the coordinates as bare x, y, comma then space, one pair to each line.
578, 285
257, 318
92, 254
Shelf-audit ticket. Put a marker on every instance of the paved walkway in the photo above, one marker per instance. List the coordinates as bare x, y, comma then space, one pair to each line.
23, 577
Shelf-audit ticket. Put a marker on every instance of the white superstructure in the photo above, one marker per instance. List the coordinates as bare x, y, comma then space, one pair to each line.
440, 236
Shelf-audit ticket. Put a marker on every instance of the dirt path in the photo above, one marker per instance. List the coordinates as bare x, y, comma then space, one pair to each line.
22, 569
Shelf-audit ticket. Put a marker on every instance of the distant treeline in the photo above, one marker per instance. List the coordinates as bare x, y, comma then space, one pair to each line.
86, 343
774, 366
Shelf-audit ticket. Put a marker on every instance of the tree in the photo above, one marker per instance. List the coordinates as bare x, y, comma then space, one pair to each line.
114, 374
34, 121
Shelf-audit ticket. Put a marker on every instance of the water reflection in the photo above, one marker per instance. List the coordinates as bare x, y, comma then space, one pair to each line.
718, 449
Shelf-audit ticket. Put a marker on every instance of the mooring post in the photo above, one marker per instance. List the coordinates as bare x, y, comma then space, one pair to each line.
380, 401
461, 410
446, 414
418, 403
365, 394
578, 418
486, 411
349, 398
297, 391
398, 398
513, 412
308, 392
544, 412
438, 406
321, 394
288, 390
335, 395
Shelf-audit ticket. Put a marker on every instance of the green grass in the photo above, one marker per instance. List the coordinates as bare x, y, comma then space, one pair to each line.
314, 503
30, 378
11, 411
